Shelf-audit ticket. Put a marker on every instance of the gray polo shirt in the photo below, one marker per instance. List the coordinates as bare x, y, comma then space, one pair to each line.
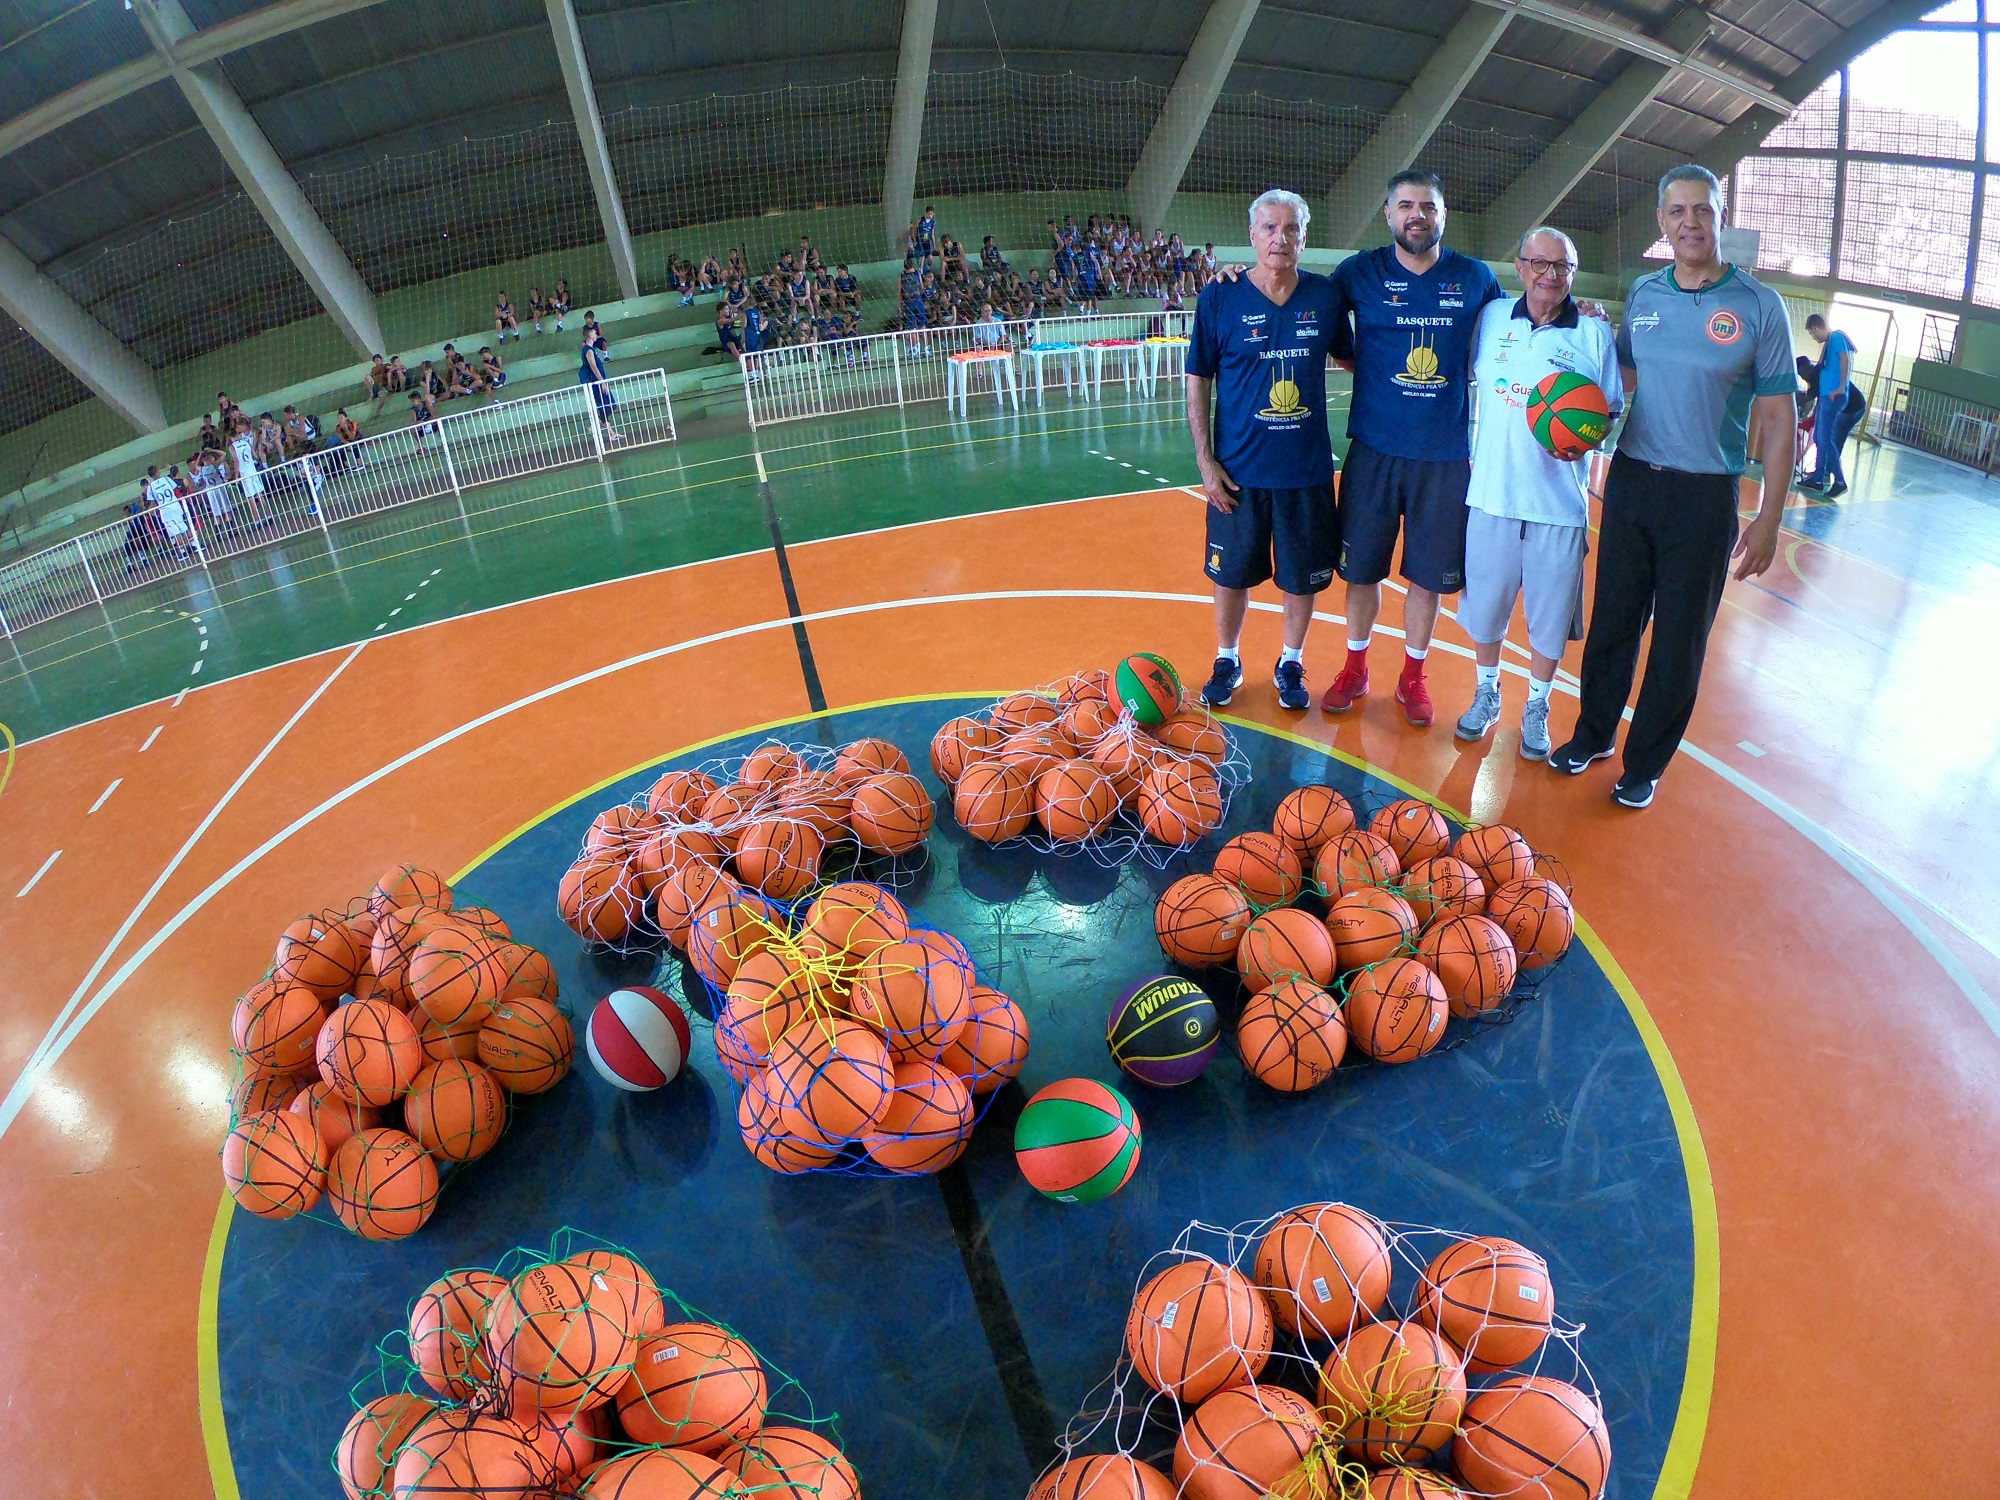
1701, 358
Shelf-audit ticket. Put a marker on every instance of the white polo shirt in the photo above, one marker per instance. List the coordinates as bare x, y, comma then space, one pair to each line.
1513, 475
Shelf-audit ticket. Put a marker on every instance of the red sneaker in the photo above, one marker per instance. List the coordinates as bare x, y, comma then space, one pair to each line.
1415, 697
1349, 684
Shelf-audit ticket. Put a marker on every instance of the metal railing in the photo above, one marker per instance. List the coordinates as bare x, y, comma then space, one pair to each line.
1965, 432
320, 490
794, 382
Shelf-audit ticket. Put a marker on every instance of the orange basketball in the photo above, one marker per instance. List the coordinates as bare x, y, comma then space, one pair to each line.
1196, 1328
958, 744
646, 1308
1199, 921
1263, 867
368, 1050
694, 1385
1291, 1036
891, 812
1535, 1437
817, 798
855, 918
678, 795
527, 1044
1474, 961
321, 953
1309, 817
560, 1336
253, 1091
455, 973
660, 1474
1195, 734
274, 1163
1354, 858
1498, 854
448, 1331
574, 1441
460, 1039
1492, 1298
780, 857
455, 1453
1413, 828
1396, 1010
599, 899
683, 892
855, 762
1075, 799
770, 765
1411, 1484
669, 850
794, 1463
1327, 1269
1103, 1476
1178, 803
365, 1457
455, 1110
1126, 753
1444, 886
731, 926
764, 1132
1036, 751
524, 971
1285, 944
408, 885
772, 993
381, 1185
1536, 915
1394, 1393
1245, 1443
1018, 711
830, 1081
482, 919
993, 801
928, 1122
1091, 685
397, 934
730, 807
275, 1026
334, 1115
1369, 924
620, 830
988, 1050
1087, 721
916, 995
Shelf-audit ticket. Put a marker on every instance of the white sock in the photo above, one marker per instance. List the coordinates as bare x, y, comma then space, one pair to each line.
1360, 645
1489, 676
1538, 691
1291, 653
1416, 655
1229, 653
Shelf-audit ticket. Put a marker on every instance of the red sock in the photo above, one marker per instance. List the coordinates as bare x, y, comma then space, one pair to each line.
1413, 667
1357, 661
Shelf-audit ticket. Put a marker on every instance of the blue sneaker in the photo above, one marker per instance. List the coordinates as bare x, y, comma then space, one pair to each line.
1290, 681
1223, 681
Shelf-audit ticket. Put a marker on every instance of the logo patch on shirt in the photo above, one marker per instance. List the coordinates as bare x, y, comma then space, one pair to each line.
1420, 368
1645, 321
1724, 327
1285, 405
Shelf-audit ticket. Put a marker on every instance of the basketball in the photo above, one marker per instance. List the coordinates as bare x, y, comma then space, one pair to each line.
988, 1050
1178, 803
1148, 687
620, 830
1077, 1141
855, 918
1291, 1036
683, 892
368, 1050
560, 1336
1103, 1476
1568, 414
524, 971
1474, 961
408, 885
1309, 817
830, 1081
397, 934
819, 800
365, 1457
274, 1164
1414, 829
453, 974
1126, 755
1411, 1484
731, 926
764, 1133
1327, 1269
458, 1453
448, 1331
1087, 721
1196, 1328
855, 762
1442, 886
321, 953
1536, 915
1396, 1010
1244, 1443
1024, 710
1368, 924
1534, 1436
254, 1091
694, 1385
483, 919
275, 1026
730, 807
598, 899
1498, 855
527, 1044
1075, 800
769, 765
958, 743
1393, 1392
1356, 857
916, 995
1263, 867
334, 1116
928, 1122
1195, 734
455, 1110
1492, 1298
890, 812
993, 801
382, 1185
1034, 752
570, 1441
1091, 685
637, 1039
660, 1474
678, 795
1199, 921
794, 1463
1163, 1031
779, 856
771, 994
1285, 944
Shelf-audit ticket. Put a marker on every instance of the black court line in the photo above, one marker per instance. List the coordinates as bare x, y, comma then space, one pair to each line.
1034, 1418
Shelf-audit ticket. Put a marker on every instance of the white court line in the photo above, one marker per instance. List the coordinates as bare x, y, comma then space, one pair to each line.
69, 1026
150, 738
105, 796
197, 669
37, 878
179, 698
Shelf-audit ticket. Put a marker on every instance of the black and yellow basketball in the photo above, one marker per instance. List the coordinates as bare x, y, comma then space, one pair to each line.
1163, 1031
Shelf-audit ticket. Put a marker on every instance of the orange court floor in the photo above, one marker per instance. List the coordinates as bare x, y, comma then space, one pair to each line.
1805, 921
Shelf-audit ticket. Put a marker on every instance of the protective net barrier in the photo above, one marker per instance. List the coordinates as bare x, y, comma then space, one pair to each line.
571, 1370
33, 384
380, 1054
1326, 1353
1000, 130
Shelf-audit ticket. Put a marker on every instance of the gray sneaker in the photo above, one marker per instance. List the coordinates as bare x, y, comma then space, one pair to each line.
1477, 722
1535, 730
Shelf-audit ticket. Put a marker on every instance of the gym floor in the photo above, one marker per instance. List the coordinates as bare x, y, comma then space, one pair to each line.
1746, 1121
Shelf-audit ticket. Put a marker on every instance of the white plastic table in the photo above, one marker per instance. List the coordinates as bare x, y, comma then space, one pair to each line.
1124, 351
957, 377
1069, 364
1162, 357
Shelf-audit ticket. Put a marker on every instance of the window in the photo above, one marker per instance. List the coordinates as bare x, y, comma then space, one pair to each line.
1914, 94
1907, 228
1815, 123
1789, 202
1986, 272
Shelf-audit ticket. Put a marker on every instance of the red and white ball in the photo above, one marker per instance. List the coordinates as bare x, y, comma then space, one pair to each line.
637, 1039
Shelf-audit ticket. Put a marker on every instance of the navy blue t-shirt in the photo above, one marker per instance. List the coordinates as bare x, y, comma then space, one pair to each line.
1269, 367
1410, 337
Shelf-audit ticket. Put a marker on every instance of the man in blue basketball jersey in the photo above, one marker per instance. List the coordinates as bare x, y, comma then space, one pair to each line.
1259, 349
1404, 326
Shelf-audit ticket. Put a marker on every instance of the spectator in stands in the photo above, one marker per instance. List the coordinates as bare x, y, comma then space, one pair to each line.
429, 382
711, 274
346, 433
491, 371
269, 443
460, 378
992, 327
595, 375
927, 233
504, 321
423, 414
298, 436
211, 436
726, 336
538, 306
346, 429
754, 321
559, 302
736, 293
846, 288
226, 411
378, 383
808, 254
989, 256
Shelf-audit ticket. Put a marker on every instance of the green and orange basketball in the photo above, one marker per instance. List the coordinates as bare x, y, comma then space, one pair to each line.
1148, 687
1568, 414
1077, 1141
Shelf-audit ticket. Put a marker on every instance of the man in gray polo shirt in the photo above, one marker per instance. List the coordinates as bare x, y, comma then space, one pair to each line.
1701, 343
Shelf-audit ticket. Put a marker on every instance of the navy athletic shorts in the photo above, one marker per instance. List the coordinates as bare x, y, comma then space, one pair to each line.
1422, 498
1292, 536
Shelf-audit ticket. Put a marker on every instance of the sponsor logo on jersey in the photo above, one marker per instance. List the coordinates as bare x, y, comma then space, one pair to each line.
1283, 398
1724, 327
1420, 365
1644, 322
